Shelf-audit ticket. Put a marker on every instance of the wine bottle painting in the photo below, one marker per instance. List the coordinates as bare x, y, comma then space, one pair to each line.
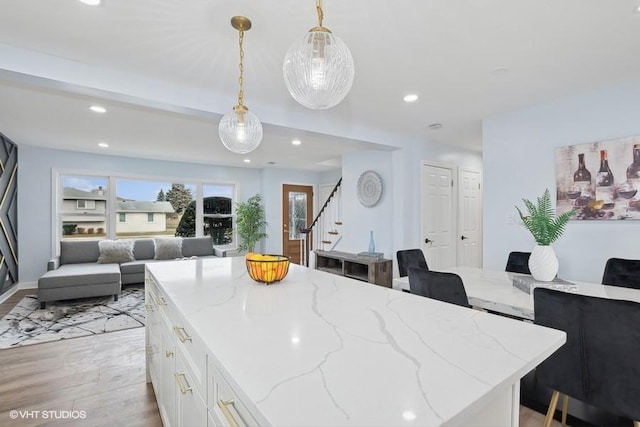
600, 180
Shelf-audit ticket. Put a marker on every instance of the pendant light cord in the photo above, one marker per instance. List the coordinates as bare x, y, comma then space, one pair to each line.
241, 79
320, 12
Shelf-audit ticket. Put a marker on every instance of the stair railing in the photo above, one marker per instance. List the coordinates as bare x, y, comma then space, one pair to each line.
317, 223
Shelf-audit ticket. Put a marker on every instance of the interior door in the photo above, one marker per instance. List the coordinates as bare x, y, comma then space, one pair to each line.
438, 220
297, 213
469, 218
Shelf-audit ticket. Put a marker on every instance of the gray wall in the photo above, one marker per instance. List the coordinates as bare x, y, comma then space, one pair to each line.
519, 163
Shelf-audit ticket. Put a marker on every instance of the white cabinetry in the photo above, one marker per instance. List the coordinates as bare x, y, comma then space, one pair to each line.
176, 363
225, 408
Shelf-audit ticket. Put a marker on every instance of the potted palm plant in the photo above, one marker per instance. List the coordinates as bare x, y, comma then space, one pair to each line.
545, 228
250, 222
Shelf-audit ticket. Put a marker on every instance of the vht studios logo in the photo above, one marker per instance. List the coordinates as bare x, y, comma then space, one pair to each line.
50, 415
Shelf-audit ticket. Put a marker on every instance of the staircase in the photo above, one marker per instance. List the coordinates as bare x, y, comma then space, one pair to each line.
324, 232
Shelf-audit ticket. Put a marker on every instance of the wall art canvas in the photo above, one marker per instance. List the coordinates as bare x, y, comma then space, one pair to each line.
600, 179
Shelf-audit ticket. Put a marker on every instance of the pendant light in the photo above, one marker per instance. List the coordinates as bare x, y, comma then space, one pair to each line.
240, 130
318, 68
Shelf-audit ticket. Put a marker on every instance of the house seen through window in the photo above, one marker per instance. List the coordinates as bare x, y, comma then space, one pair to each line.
144, 208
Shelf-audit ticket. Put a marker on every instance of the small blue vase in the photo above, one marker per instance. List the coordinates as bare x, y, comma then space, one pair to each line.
372, 244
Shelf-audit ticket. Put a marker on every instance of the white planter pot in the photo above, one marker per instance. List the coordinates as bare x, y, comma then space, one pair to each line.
543, 263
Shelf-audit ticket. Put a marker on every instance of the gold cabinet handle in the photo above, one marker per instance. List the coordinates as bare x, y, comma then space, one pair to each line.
168, 353
224, 407
149, 307
184, 388
160, 301
150, 350
182, 334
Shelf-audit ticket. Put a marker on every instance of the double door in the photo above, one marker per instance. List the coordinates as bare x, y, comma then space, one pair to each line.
451, 215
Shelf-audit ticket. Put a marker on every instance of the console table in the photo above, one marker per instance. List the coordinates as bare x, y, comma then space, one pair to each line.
378, 272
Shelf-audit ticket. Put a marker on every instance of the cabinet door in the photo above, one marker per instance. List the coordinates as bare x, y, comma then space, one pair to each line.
190, 407
167, 396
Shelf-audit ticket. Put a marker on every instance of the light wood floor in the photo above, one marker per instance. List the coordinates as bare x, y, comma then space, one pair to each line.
102, 375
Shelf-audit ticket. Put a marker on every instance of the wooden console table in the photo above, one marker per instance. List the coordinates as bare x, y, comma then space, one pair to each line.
378, 272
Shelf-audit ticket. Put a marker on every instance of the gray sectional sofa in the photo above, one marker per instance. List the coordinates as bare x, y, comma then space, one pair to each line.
76, 273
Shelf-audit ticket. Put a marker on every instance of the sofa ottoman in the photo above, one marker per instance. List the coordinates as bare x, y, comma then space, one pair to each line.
84, 280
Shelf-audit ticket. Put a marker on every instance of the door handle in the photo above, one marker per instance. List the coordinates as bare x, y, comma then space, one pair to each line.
463, 237
427, 240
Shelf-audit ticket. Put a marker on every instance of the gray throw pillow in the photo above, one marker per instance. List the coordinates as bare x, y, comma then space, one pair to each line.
115, 251
168, 248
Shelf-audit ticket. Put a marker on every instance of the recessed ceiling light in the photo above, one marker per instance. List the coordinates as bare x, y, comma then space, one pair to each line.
296, 142
91, 2
247, 160
434, 126
98, 109
412, 97
409, 415
103, 145
637, 9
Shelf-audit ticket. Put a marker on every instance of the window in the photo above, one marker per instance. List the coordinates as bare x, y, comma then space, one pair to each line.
85, 204
83, 207
153, 208
113, 207
218, 215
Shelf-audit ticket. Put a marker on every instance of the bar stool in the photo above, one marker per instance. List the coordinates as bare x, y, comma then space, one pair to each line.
599, 362
622, 272
518, 262
446, 287
410, 258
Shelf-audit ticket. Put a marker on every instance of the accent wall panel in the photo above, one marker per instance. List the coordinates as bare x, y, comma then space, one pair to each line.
8, 214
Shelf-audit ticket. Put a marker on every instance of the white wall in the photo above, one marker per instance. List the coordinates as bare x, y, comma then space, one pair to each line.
34, 195
272, 180
357, 220
407, 164
519, 163
395, 221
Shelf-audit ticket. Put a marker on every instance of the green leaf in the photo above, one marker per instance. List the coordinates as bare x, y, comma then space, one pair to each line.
541, 221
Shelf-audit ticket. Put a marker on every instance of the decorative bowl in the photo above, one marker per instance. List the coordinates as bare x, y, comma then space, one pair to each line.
266, 268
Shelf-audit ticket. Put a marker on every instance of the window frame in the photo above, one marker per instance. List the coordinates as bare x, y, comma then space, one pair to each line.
88, 204
110, 209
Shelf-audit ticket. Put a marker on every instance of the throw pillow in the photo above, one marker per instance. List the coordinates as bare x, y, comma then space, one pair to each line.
115, 251
168, 248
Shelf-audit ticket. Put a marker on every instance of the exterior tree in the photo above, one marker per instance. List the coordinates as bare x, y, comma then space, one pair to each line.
221, 229
179, 197
161, 196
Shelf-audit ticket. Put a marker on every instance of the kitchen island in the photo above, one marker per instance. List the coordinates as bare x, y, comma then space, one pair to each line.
321, 349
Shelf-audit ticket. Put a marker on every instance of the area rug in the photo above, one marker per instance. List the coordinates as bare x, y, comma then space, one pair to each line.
28, 324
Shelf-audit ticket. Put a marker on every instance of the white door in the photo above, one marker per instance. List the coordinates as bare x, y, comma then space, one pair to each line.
438, 216
469, 218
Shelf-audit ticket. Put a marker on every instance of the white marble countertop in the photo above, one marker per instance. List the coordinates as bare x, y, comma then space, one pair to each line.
322, 349
494, 290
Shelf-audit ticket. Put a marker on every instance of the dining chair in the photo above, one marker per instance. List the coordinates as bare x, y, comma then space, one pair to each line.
622, 272
599, 362
447, 287
410, 258
518, 262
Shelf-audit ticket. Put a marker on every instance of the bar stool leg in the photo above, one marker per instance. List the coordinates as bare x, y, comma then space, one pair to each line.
552, 408
565, 407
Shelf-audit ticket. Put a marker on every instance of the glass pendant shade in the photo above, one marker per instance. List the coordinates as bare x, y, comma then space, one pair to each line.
318, 70
240, 130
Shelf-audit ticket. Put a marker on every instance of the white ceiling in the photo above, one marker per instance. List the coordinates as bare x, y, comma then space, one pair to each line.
167, 71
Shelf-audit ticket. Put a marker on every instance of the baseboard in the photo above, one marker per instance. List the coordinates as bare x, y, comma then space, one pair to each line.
16, 288
9, 293
28, 285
